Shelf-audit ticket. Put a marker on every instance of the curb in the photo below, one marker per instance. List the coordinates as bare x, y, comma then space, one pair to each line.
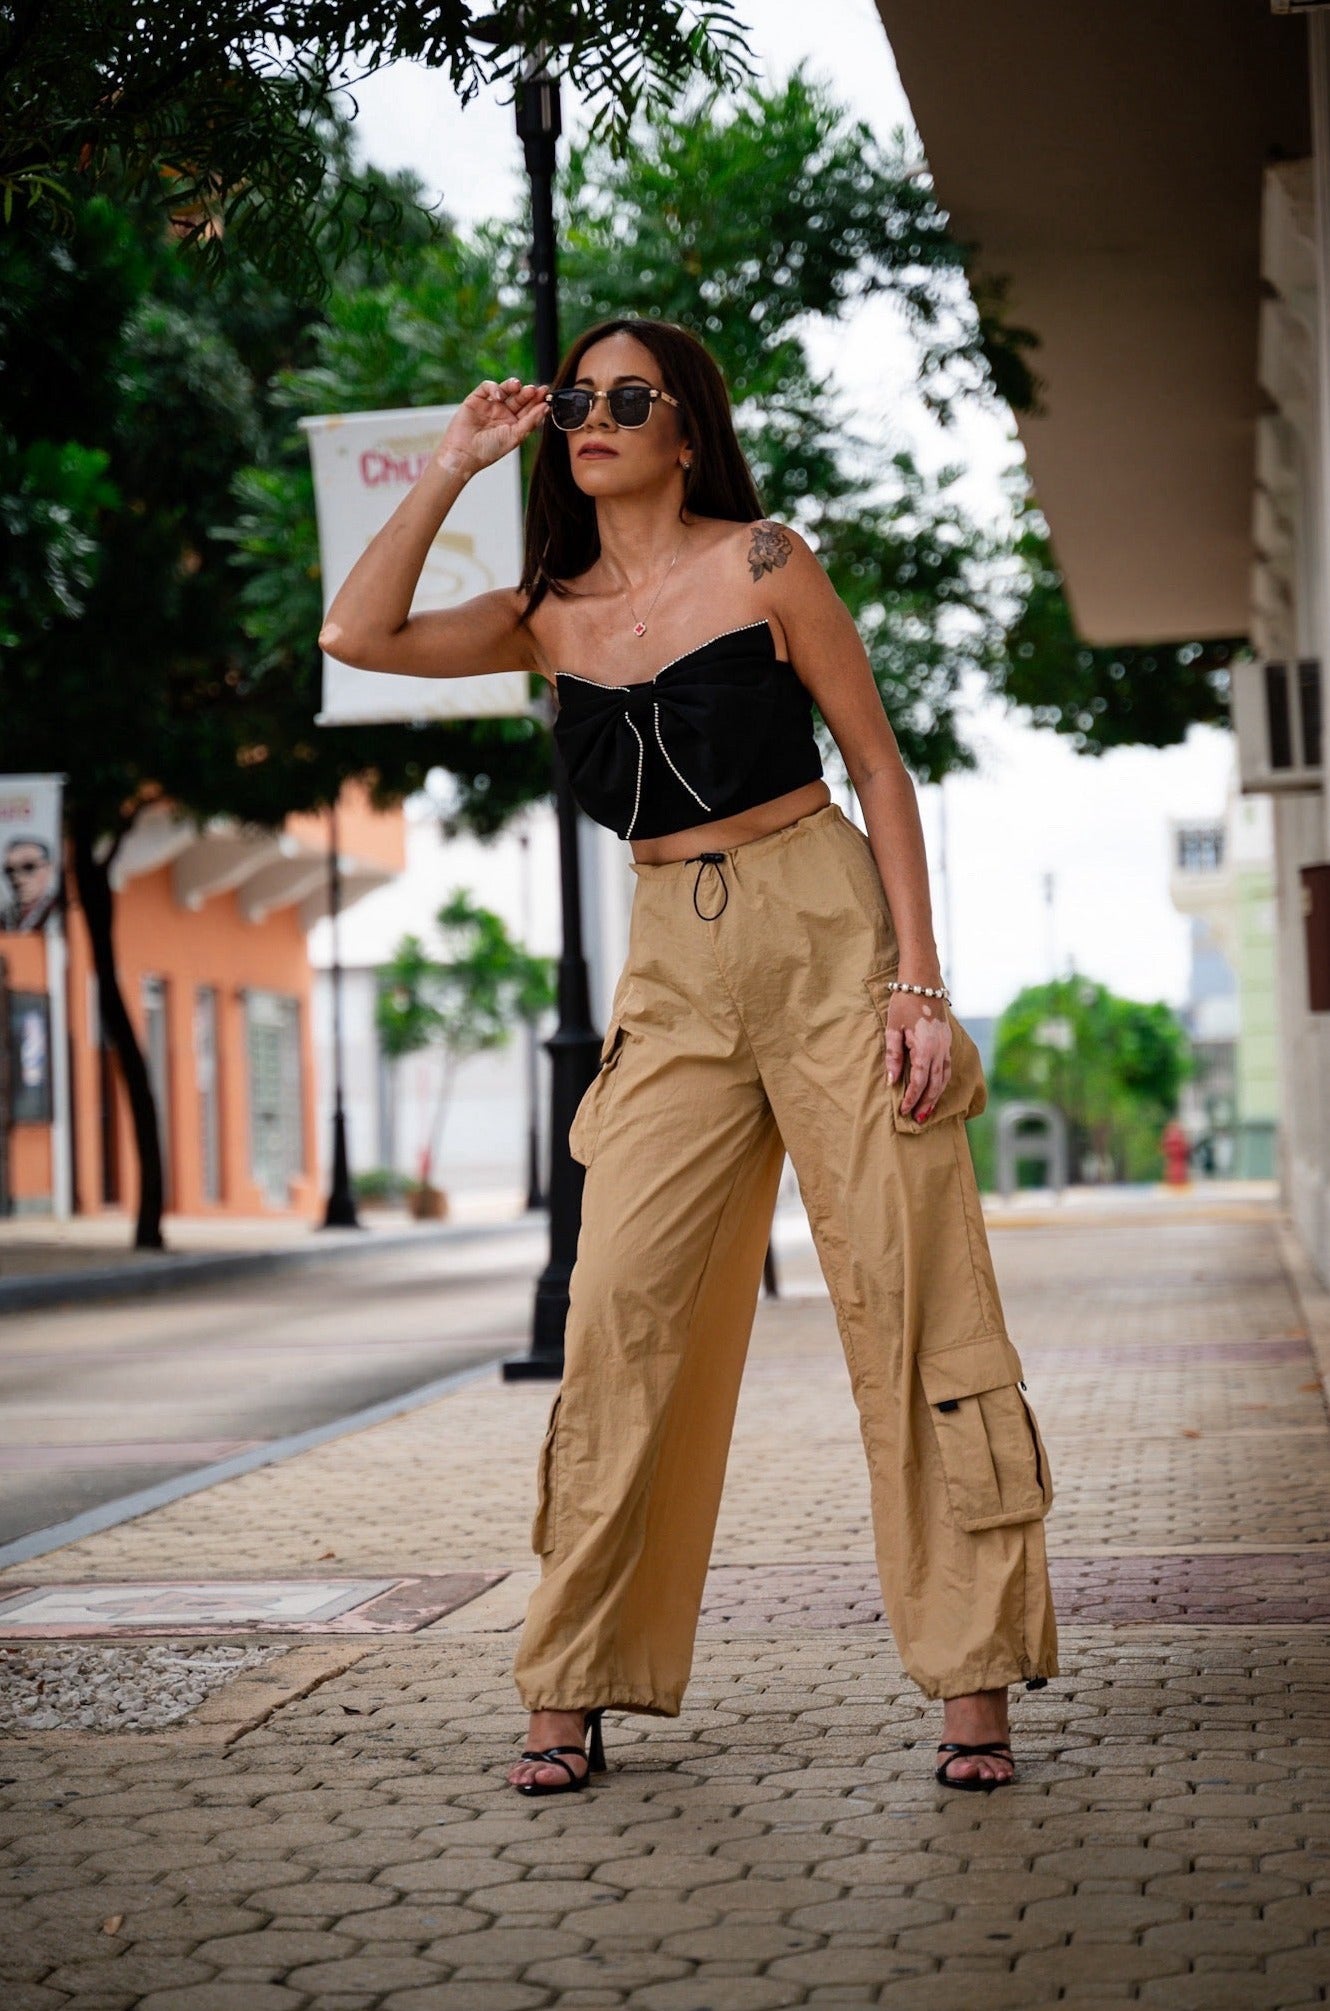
271, 1452
169, 1272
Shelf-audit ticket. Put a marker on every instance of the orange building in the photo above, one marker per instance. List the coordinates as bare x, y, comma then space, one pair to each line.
210, 938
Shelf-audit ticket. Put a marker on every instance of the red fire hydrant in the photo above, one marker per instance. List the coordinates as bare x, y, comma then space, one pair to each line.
1177, 1154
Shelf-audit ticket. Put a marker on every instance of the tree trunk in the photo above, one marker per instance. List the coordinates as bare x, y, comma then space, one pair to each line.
98, 902
434, 1140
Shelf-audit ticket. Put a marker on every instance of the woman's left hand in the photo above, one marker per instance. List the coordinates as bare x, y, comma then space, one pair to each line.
918, 1027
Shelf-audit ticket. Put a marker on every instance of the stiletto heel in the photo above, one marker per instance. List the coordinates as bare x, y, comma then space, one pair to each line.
595, 1760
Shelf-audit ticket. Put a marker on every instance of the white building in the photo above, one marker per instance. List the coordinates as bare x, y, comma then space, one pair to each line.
1223, 877
485, 1145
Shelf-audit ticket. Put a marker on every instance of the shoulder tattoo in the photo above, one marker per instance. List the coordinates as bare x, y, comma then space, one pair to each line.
770, 548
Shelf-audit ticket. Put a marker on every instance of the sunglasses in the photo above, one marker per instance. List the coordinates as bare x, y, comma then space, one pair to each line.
630, 405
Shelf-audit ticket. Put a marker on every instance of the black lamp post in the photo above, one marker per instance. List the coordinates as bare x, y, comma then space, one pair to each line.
340, 1212
535, 1194
574, 1046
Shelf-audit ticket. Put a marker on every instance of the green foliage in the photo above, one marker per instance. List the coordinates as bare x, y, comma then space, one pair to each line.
918, 575
1113, 1067
757, 208
464, 1002
217, 110
740, 222
100, 364
1145, 694
135, 398
50, 496
461, 1003
380, 1186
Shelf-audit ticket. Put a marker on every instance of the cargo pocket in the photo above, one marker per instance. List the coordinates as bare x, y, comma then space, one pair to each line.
542, 1526
966, 1092
993, 1458
590, 1113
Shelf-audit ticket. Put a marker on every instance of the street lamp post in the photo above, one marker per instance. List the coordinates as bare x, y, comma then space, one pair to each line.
340, 1212
574, 1045
534, 1195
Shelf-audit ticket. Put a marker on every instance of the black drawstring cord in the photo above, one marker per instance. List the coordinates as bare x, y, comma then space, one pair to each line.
709, 859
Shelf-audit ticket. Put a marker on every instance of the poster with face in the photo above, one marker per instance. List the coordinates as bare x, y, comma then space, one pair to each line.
29, 852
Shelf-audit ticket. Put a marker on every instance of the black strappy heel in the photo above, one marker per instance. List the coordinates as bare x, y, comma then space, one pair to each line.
595, 1760
977, 1783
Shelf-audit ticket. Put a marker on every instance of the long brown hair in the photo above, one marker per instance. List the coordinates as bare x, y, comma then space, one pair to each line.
562, 536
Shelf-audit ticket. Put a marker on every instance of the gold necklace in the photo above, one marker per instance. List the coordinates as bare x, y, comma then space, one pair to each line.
639, 623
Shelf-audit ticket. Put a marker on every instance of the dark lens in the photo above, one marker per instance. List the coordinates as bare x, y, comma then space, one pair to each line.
630, 404
568, 409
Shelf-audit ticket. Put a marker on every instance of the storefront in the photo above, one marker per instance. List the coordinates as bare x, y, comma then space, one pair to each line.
211, 931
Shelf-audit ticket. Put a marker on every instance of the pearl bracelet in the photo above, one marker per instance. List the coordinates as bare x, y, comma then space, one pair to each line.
928, 991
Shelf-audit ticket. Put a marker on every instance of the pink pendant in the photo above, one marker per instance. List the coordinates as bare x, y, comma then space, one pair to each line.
639, 628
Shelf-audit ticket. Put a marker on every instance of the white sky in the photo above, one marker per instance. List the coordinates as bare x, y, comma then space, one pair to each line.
1099, 826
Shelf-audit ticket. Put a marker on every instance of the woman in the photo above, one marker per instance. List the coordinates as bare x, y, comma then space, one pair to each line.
782, 992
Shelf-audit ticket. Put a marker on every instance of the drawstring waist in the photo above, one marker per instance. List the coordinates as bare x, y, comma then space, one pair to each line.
756, 846
652, 871
705, 859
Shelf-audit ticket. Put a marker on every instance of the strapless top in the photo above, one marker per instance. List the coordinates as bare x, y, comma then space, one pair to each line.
717, 730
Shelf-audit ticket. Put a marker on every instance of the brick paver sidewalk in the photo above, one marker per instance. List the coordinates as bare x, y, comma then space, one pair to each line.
334, 1829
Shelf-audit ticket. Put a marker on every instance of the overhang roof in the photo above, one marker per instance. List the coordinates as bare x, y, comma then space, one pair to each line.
265, 870
1109, 160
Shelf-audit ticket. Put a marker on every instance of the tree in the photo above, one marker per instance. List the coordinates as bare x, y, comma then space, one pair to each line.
133, 395
216, 109
1100, 696
756, 208
185, 653
460, 1005
1113, 1066
741, 222
50, 494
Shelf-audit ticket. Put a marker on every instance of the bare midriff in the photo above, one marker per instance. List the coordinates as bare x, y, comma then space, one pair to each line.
722, 832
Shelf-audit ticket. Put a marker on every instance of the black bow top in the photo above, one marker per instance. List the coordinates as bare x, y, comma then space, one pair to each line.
723, 727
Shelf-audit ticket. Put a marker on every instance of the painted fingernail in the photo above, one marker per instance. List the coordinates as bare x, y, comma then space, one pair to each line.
925, 1113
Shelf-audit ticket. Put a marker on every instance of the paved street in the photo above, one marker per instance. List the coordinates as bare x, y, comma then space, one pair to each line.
332, 1828
99, 1400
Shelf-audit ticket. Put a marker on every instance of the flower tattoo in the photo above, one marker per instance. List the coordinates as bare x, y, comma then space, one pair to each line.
770, 548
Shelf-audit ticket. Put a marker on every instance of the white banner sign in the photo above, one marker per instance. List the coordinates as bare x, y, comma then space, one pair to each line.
29, 851
364, 463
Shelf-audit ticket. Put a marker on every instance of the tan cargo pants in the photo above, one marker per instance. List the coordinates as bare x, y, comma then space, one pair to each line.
749, 1021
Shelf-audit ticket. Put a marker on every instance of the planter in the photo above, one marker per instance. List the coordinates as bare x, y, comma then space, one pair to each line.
428, 1204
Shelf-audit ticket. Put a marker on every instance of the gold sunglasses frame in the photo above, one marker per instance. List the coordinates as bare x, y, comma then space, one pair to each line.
654, 391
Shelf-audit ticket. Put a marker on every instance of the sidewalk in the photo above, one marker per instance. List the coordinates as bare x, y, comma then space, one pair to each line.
330, 1826
45, 1262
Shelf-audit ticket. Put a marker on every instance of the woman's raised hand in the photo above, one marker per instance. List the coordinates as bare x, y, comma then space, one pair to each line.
490, 422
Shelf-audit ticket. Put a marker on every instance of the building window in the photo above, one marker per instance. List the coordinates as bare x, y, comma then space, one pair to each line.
276, 1127
206, 1079
1201, 848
